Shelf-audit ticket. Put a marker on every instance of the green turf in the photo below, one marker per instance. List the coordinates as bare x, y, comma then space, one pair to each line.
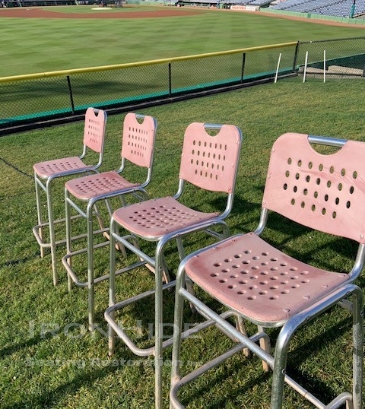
47, 358
41, 45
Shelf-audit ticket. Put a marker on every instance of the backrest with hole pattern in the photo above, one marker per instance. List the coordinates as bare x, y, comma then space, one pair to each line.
211, 162
94, 129
138, 139
323, 192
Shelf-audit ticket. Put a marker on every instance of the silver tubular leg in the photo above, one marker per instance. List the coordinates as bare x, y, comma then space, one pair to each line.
68, 235
90, 268
358, 352
158, 336
293, 324
39, 212
51, 230
179, 307
111, 332
159, 265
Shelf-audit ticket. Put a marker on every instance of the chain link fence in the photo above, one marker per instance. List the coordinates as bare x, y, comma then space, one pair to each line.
339, 58
30, 100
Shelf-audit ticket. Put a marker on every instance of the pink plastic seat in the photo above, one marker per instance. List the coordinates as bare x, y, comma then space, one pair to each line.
46, 172
157, 217
269, 288
56, 166
86, 188
82, 194
258, 281
209, 162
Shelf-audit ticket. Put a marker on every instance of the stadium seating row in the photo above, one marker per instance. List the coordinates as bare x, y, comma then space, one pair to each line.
337, 8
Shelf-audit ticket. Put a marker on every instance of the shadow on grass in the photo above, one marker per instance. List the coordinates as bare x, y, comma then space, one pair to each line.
233, 393
99, 367
51, 398
19, 261
15, 347
322, 390
315, 345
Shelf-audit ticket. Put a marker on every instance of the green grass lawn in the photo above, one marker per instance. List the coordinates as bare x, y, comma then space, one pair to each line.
49, 360
33, 45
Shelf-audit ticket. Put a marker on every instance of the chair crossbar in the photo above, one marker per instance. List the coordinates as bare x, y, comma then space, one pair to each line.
250, 342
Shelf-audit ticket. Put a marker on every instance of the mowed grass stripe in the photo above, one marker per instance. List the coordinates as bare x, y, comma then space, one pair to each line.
40, 45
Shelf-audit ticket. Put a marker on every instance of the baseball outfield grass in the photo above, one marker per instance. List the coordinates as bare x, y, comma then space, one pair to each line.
32, 45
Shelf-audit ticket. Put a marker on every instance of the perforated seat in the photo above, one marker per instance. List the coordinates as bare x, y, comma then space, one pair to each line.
266, 286
84, 193
259, 281
156, 217
46, 172
98, 184
208, 162
56, 166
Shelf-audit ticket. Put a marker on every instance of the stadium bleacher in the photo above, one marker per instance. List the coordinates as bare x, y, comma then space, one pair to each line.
289, 4
336, 8
259, 2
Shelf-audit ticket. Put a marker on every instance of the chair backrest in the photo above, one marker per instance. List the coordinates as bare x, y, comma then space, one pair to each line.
211, 162
138, 139
94, 129
325, 192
